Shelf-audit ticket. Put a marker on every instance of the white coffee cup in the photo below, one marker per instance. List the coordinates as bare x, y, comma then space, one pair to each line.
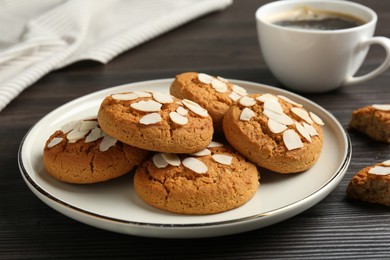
318, 60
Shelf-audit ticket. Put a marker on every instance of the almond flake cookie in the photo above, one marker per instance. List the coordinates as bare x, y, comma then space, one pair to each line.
371, 184
215, 94
156, 121
82, 153
274, 132
374, 121
213, 180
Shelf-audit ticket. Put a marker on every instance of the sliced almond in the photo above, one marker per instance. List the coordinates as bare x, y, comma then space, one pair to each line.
273, 105
178, 119
143, 93
205, 78
195, 107
280, 118
95, 134
54, 142
380, 170
264, 97
171, 158
106, 143
125, 96
316, 119
218, 85
302, 113
195, 165
247, 101
239, 90
289, 100
150, 119
234, 96
75, 135
88, 125
214, 144
302, 130
247, 114
70, 126
162, 98
310, 129
159, 161
276, 127
386, 163
383, 107
147, 106
292, 140
203, 152
182, 111
223, 159
222, 79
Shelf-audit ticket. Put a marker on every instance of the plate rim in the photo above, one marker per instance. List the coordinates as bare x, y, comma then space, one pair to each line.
338, 175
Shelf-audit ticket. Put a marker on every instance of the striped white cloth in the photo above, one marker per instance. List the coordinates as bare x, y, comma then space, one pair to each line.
38, 36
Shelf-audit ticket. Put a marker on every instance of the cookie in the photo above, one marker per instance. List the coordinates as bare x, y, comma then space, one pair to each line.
274, 132
374, 121
215, 94
155, 121
213, 180
82, 153
371, 184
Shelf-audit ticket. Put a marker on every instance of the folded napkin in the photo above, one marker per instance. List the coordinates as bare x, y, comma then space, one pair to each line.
38, 36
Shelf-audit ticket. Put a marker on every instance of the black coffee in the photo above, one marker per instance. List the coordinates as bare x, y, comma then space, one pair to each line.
312, 19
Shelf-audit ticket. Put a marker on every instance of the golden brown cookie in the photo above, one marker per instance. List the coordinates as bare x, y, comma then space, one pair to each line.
371, 184
82, 153
373, 121
213, 180
156, 121
274, 132
215, 94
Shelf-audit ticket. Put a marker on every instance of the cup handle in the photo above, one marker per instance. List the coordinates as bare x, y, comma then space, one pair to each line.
385, 43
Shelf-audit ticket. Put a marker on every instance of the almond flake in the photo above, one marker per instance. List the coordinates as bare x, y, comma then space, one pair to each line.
106, 143
204, 78
247, 101
386, 163
150, 119
147, 106
143, 93
178, 119
195, 165
223, 159
125, 96
88, 125
264, 97
302, 130
302, 114
234, 96
95, 134
214, 144
159, 161
280, 118
289, 101
273, 105
222, 79
380, 170
182, 111
171, 158
195, 107
385, 107
239, 90
247, 114
218, 85
276, 127
70, 126
310, 129
162, 98
54, 142
75, 135
316, 119
203, 152
292, 140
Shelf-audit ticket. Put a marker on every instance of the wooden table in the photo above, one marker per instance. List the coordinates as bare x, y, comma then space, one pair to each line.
222, 43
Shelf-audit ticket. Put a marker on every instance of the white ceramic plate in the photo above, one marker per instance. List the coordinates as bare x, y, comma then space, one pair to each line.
114, 205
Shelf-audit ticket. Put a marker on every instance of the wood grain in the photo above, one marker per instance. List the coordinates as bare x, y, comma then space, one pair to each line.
223, 43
